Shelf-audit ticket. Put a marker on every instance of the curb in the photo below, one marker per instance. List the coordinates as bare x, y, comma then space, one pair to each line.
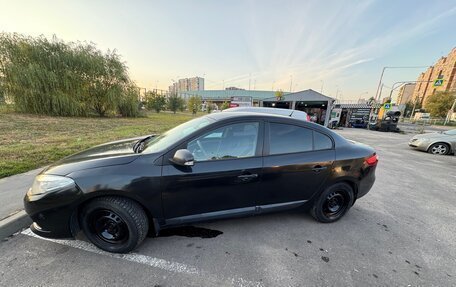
14, 223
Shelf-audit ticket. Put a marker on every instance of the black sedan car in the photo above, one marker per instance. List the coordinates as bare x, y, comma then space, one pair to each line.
216, 166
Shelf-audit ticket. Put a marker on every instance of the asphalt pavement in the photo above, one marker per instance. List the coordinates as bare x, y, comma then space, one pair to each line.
401, 233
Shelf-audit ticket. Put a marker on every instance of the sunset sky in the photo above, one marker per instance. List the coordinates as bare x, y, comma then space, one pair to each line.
340, 45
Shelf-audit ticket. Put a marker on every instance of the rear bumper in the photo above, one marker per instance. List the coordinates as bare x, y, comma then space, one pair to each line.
366, 183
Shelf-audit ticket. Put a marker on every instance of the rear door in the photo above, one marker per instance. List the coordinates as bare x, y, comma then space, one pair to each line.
297, 162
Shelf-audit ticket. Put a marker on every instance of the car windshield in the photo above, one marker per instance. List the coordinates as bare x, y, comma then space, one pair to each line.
171, 136
450, 132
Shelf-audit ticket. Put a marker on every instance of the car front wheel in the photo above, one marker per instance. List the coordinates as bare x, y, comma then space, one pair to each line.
333, 203
439, 149
114, 224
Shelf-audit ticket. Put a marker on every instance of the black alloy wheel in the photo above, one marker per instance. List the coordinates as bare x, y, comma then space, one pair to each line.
114, 224
108, 226
333, 203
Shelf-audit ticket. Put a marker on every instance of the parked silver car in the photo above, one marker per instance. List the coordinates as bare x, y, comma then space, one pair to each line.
440, 143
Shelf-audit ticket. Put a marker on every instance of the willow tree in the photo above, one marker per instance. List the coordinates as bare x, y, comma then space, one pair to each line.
56, 78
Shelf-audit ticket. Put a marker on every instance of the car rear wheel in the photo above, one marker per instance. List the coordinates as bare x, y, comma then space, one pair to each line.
439, 149
333, 203
114, 224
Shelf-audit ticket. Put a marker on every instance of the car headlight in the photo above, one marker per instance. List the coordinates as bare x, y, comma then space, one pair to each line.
45, 184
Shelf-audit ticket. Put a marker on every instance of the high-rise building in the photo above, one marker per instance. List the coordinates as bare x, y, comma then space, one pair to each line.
405, 94
195, 84
187, 84
438, 78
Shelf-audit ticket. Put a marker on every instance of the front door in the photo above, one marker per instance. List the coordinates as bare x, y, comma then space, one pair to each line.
224, 179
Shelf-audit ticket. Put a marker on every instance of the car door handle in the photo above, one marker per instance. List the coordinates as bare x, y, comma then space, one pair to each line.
319, 168
246, 177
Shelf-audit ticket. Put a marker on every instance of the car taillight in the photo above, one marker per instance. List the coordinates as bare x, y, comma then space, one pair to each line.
372, 160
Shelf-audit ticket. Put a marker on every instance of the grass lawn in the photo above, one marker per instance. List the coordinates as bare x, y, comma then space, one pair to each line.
30, 141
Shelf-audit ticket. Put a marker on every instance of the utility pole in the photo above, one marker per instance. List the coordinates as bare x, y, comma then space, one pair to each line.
249, 80
450, 112
291, 83
321, 89
380, 82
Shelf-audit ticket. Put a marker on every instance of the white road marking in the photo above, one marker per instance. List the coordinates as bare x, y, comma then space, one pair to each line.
143, 259
132, 257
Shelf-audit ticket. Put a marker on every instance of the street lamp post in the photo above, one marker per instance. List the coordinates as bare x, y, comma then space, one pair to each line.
377, 95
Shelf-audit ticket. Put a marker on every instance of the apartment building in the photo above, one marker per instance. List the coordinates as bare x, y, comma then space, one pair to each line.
405, 94
444, 71
187, 84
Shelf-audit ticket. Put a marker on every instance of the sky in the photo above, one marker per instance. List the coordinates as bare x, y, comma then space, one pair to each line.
337, 47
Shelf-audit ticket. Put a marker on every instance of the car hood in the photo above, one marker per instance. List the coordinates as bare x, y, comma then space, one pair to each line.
108, 154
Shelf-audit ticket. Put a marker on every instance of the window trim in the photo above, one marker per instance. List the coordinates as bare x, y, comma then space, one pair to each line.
266, 149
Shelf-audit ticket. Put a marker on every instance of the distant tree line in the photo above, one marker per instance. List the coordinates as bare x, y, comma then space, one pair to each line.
54, 77
173, 102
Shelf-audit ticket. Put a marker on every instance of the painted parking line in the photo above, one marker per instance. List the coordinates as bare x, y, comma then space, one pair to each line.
132, 257
143, 259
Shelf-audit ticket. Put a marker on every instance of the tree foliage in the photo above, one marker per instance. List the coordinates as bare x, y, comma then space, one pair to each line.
225, 105
194, 104
53, 77
155, 101
279, 95
175, 103
439, 103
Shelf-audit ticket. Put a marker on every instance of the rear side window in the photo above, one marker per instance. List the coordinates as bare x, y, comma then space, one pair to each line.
321, 141
285, 138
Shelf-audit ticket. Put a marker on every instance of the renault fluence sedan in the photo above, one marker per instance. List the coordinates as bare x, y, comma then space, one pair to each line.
217, 166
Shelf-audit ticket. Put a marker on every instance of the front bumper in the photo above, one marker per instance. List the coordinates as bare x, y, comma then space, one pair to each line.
419, 145
54, 215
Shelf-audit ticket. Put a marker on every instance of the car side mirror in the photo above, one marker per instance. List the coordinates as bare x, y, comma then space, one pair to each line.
183, 157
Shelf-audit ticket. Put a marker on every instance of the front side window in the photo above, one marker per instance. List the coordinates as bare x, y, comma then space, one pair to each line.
285, 138
231, 141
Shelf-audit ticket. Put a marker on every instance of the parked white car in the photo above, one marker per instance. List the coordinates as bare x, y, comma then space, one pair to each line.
276, 111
